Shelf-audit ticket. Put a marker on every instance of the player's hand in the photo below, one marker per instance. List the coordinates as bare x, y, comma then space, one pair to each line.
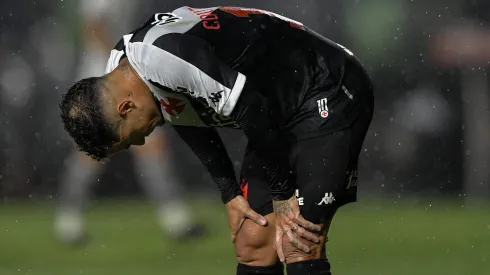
238, 210
289, 222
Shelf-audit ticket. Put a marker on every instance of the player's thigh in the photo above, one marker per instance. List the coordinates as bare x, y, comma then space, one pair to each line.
254, 244
326, 172
326, 167
321, 166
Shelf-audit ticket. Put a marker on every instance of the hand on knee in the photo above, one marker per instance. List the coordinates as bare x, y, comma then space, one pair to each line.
294, 255
313, 263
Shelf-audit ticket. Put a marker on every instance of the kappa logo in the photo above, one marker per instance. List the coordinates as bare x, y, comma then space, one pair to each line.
216, 97
323, 107
328, 199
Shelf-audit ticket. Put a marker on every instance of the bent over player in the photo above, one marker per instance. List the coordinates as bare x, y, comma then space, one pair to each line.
304, 102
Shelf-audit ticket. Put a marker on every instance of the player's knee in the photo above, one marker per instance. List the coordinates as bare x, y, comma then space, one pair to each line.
254, 244
317, 250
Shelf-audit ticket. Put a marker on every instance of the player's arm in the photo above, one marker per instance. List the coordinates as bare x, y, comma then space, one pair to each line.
265, 135
209, 148
180, 60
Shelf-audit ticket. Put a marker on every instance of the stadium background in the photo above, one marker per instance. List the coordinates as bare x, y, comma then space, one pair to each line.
424, 185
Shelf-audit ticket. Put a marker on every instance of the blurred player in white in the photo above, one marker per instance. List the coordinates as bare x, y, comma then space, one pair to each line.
100, 19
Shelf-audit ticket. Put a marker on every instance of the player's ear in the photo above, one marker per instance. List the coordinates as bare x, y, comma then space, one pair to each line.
125, 107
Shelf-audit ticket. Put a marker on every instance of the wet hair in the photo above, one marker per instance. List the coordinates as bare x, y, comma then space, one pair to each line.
83, 117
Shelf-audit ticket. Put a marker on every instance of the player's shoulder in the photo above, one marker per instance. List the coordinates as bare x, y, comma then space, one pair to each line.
160, 30
117, 53
181, 20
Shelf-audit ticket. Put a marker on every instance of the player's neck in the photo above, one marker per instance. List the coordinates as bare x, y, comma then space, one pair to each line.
125, 71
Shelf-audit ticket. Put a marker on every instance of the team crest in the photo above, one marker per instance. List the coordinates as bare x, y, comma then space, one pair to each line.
322, 107
174, 107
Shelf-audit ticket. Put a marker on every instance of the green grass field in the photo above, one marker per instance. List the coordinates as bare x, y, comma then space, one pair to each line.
366, 238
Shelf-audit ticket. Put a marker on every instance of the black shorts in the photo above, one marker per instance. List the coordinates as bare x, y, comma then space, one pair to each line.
324, 167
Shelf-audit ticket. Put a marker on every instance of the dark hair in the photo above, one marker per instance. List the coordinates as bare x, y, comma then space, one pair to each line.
83, 117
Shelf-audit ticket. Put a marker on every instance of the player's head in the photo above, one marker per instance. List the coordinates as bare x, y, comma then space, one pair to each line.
105, 115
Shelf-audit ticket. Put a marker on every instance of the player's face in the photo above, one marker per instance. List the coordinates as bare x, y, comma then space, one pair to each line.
141, 116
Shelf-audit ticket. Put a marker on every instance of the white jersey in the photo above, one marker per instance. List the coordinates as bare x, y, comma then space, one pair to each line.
175, 65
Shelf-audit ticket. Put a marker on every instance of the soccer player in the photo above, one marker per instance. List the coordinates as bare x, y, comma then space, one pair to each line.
304, 102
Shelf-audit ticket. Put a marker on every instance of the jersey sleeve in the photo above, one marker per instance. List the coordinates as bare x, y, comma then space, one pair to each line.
185, 61
117, 53
209, 148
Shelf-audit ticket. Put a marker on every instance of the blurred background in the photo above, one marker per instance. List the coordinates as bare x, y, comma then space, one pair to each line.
424, 181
